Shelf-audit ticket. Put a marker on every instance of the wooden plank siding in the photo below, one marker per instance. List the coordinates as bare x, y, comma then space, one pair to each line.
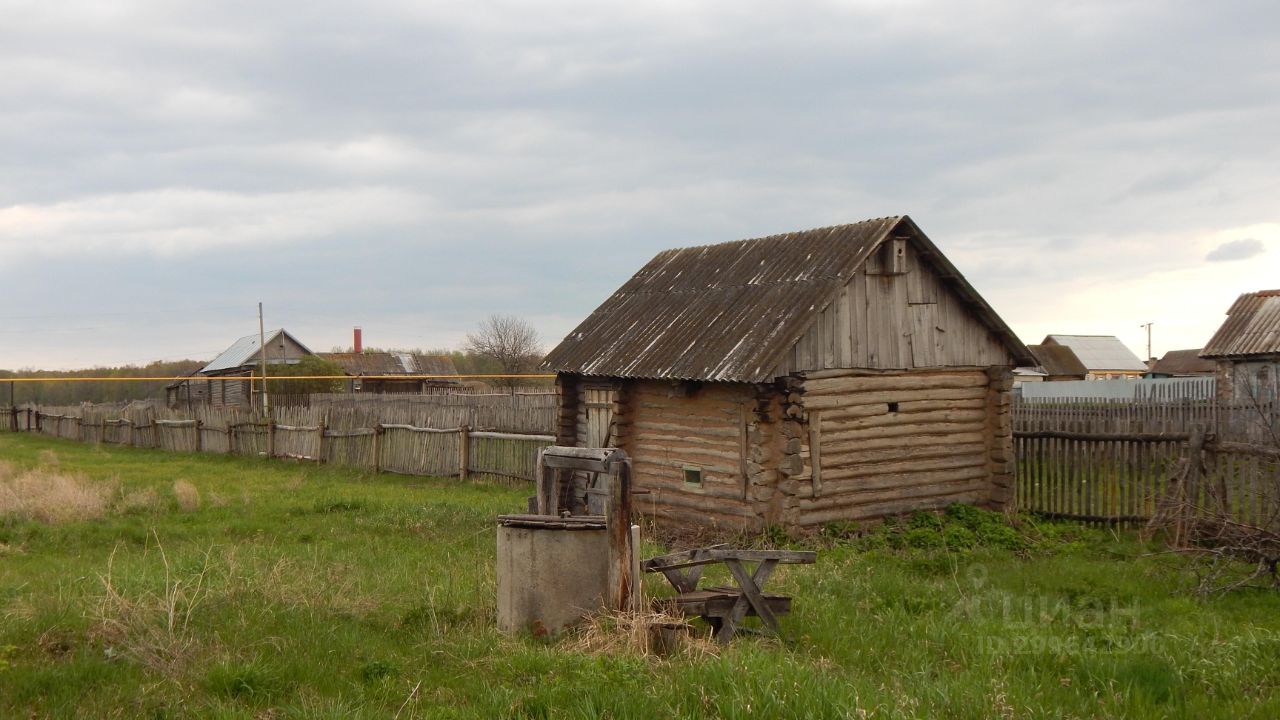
895, 321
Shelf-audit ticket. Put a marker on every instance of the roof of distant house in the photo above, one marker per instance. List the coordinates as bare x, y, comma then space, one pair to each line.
1099, 352
243, 350
393, 363
1058, 360
1252, 327
1184, 362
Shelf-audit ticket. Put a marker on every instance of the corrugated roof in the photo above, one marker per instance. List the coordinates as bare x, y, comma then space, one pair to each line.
242, 350
1058, 360
392, 363
1252, 327
728, 312
1184, 362
1100, 352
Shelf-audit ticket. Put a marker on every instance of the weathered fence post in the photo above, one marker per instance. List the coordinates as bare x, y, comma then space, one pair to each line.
13, 412
464, 451
320, 444
377, 447
231, 437
271, 438
199, 436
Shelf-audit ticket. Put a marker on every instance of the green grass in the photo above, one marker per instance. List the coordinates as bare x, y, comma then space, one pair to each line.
299, 591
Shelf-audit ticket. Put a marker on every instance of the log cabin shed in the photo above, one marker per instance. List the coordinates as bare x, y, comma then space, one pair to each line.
841, 373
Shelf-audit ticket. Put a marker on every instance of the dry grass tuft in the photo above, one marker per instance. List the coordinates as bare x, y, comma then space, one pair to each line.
139, 501
53, 498
187, 495
49, 458
7, 470
149, 627
646, 634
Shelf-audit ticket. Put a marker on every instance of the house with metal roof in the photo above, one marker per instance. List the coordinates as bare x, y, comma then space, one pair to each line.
1246, 349
1103, 356
235, 366
840, 373
378, 371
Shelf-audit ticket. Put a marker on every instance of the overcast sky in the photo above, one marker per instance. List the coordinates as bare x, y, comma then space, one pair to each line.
413, 167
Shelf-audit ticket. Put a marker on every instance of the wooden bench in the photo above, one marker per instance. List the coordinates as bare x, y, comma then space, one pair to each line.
724, 607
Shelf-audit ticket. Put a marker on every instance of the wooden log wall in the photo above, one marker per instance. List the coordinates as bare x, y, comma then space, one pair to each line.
716, 428
875, 444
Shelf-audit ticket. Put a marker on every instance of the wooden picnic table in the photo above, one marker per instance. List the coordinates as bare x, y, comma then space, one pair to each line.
724, 607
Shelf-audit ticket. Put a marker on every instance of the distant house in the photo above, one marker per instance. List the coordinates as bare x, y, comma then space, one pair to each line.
1058, 362
833, 374
1182, 363
361, 366
1246, 348
242, 360
1104, 357
184, 393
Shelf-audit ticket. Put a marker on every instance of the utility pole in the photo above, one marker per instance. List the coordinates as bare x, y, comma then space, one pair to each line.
1148, 327
262, 350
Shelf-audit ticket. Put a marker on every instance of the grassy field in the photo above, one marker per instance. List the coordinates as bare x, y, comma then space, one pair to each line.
139, 584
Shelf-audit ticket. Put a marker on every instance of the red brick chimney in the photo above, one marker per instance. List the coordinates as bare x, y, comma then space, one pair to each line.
358, 341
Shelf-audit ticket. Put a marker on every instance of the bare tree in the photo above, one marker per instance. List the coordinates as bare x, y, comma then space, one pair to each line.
510, 342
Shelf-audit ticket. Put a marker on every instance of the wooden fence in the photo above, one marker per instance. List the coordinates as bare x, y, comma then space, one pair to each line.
1110, 461
380, 439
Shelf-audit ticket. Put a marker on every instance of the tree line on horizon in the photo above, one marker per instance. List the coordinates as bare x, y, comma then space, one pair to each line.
503, 344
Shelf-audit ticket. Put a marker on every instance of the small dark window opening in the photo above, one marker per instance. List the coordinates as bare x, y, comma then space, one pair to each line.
693, 476
893, 407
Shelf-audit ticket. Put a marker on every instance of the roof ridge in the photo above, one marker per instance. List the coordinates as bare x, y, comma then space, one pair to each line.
837, 226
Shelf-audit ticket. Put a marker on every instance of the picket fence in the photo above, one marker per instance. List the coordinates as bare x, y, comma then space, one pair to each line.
376, 438
1111, 461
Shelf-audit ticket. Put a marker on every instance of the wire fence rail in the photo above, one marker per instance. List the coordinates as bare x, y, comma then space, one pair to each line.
375, 437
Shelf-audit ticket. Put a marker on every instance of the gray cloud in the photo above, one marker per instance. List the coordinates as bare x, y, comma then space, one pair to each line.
427, 164
1241, 249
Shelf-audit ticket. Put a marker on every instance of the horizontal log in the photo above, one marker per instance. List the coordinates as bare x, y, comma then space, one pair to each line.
684, 451
854, 412
675, 468
486, 435
906, 482
827, 402
691, 440
900, 431
653, 427
924, 439
892, 507
914, 492
868, 372
910, 381
900, 451
731, 492
1223, 446
413, 428
913, 465
895, 419
689, 501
